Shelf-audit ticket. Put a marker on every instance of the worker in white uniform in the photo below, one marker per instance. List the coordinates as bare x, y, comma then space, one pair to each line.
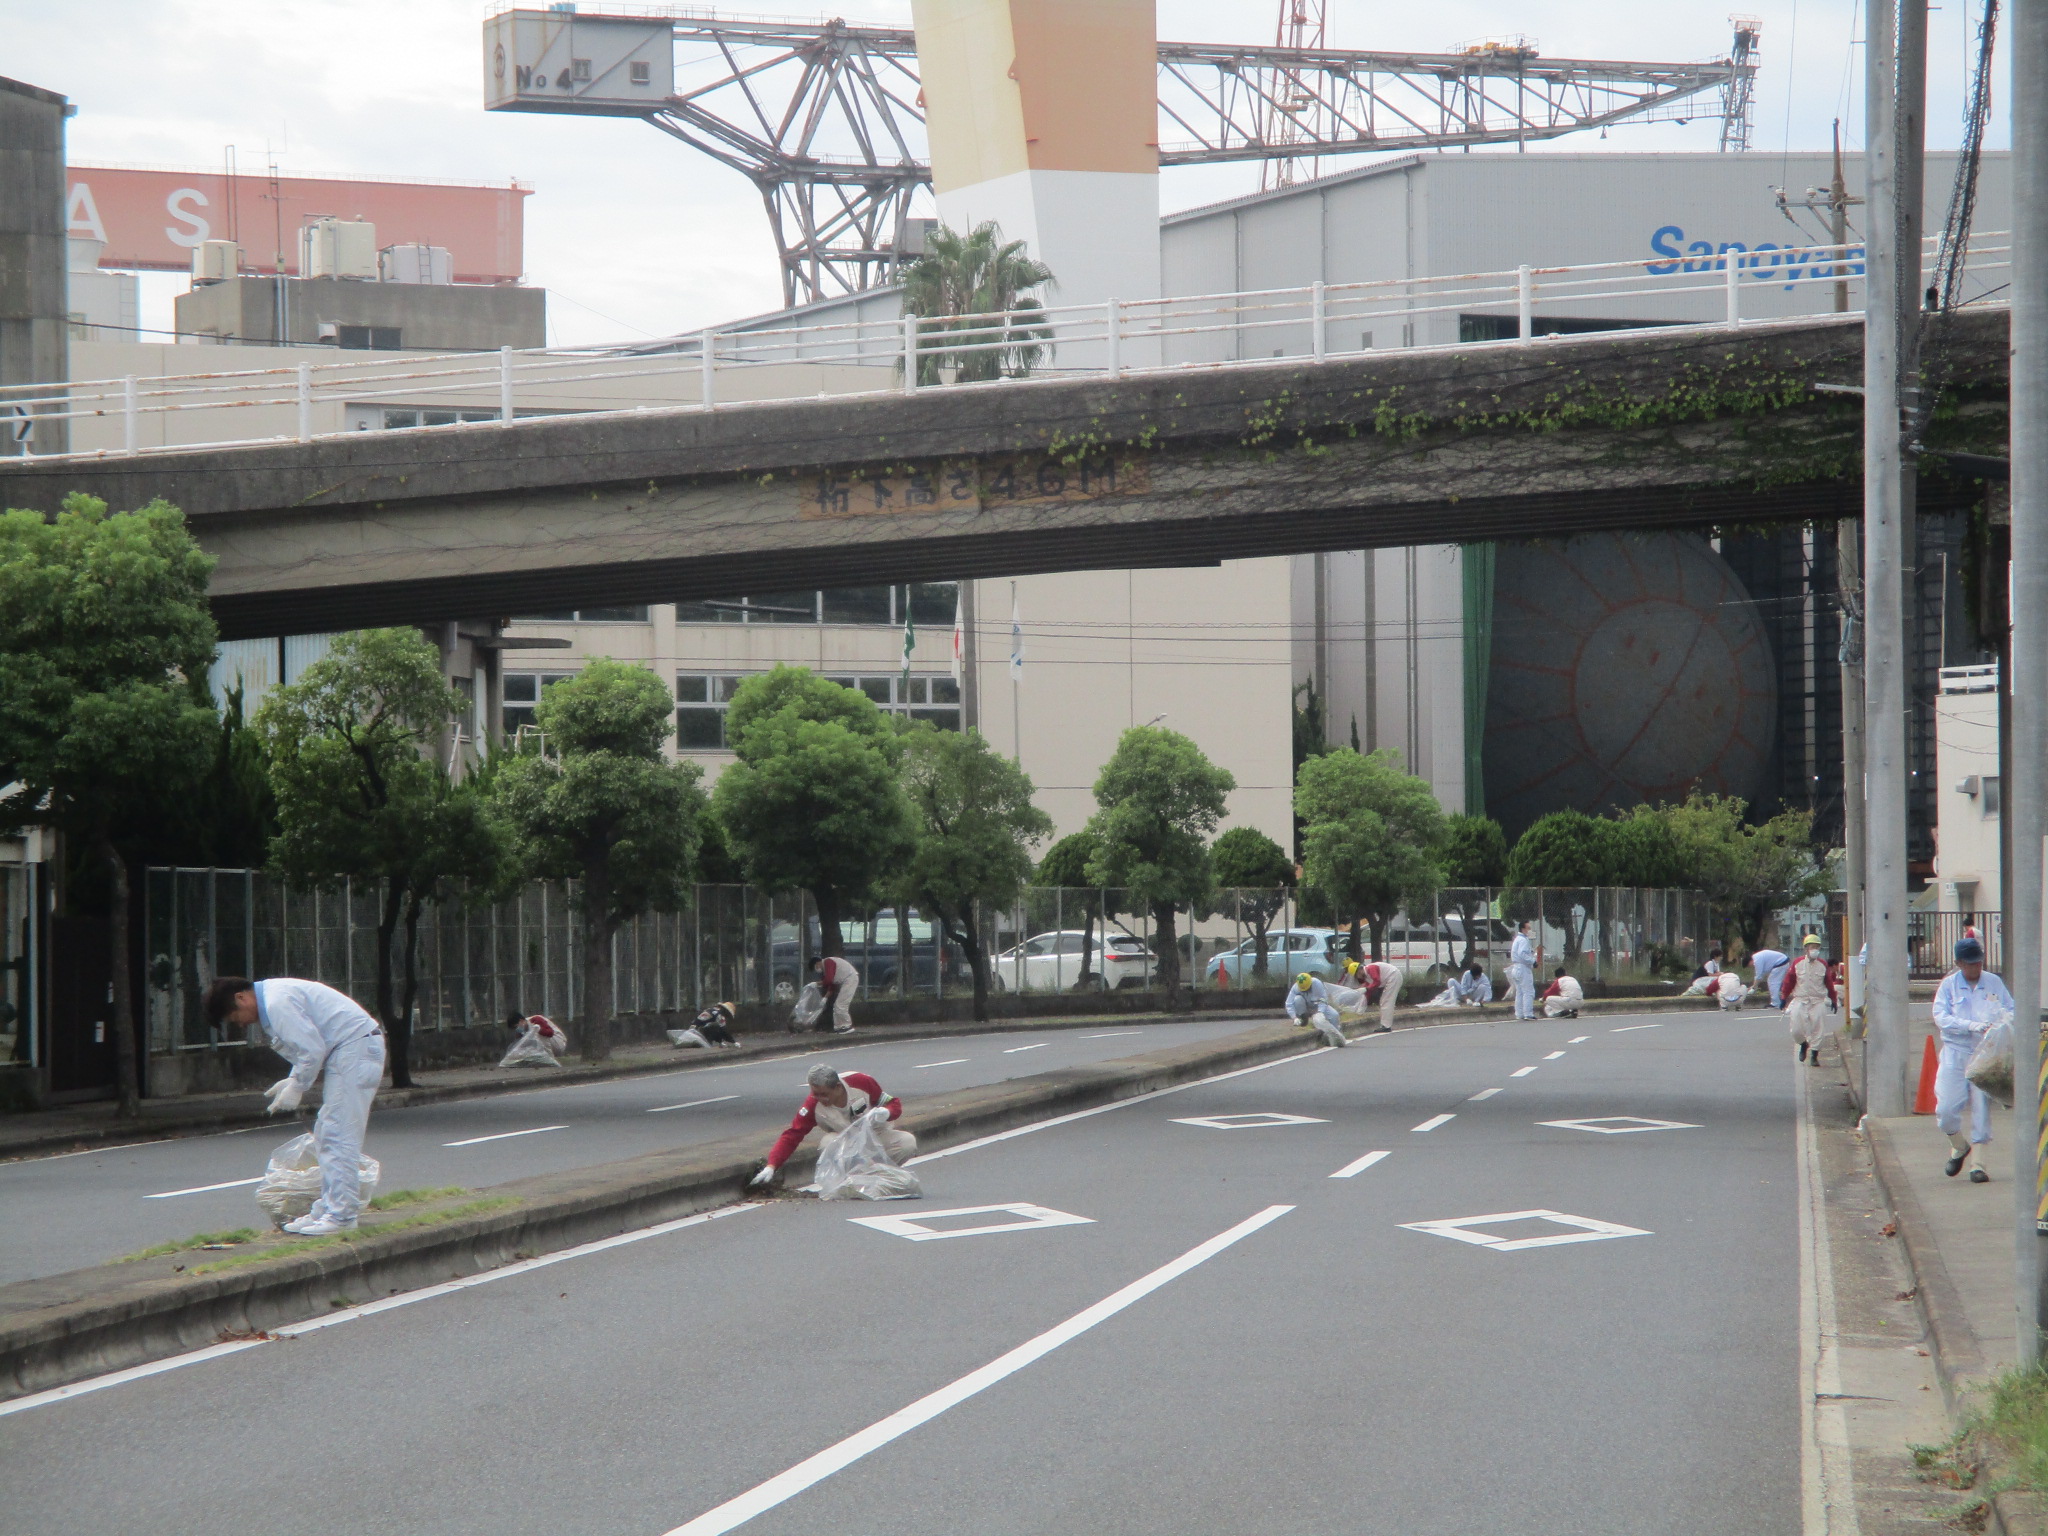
1310, 1001
329, 1039
1768, 963
1523, 958
1563, 998
1810, 997
839, 981
1730, 991
1473, 986
1376, 982
1968, 1002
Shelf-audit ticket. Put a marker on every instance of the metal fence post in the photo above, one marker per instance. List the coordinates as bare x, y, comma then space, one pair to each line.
1525, 302
1318, 304
305, 372
707, 363
910, 354
1734, 286
504, 384
131, 434
1113, 325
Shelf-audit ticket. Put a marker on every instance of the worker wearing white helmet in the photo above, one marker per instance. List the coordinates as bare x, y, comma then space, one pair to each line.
1309, 1001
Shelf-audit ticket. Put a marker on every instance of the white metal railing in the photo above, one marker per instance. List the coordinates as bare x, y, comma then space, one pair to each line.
1727, 288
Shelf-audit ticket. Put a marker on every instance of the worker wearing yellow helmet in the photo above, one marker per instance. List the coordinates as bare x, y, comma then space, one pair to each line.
1309, 1002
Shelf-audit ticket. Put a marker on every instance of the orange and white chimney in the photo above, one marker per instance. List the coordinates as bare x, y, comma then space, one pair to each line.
1043, 117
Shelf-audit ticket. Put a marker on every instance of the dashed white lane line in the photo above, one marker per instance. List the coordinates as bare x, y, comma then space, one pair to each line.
1114, 1034
204, 1189
1553, 1055
1578, 1039
1484, 1093
1521, 1072
1353, 1170
475, 1141
815, 1469
662, 1109
1434, 1121
955, 1062
1627, 1027
1014, 1049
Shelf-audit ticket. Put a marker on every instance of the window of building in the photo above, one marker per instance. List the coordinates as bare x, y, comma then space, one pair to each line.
619, 615
397, 420
1509, 327
640, 72
579, 69
929, 603
522, 694
367, 338
1990, 804
702, 699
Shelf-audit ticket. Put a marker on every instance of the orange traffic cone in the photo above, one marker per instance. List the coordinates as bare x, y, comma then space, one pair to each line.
1930, 1063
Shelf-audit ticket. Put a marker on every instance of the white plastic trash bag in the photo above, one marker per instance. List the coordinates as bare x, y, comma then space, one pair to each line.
292, 1182
1990, 1066
540, 1044
854, 1165
687, 1037
810, 1004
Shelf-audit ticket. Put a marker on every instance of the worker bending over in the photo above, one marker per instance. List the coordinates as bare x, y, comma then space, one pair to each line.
1768, 963
1310, 1001
839, 981
1562, 998
1968, 1002
328, 1039
836, 1100
1809, 998
1381, 984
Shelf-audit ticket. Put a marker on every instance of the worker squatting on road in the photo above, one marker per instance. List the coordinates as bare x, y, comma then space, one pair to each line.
835, 1101
1523, 958
1969, 1001
1809, 998
1312, 1001
839, 981
1564, 996
327, 1038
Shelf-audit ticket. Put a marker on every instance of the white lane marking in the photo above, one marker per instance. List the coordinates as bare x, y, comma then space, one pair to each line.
956, 1061
1029, 1216
368, 1309
1014, 1049
476, 1141
663, 1109
1521, 1072
1484, 1093
1627, 1027
1255, 1120
1586, 1229
1353, 1170
1434, 1121
127, 1146
1103, 1109
1619, 1125
815, 1469
1827, 1492
1114, 1034
1578, 1039
1553, 1055
205, 1189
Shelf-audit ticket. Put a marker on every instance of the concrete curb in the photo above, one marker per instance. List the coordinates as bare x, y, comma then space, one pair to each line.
65, 1328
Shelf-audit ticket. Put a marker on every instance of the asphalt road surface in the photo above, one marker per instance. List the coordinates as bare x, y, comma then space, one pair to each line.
74, 1209
1190, 1330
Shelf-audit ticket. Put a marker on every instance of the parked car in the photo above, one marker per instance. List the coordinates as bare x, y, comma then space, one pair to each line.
871, 948
1289, 952
1051, 962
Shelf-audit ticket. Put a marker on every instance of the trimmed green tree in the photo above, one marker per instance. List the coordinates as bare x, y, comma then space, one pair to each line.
1370, 835
814, 801
1066, 865
1745, 870
595, 801
1160, 800
1560, 854
1258, 871
973, 824
1474, 857
361, 795
105, 641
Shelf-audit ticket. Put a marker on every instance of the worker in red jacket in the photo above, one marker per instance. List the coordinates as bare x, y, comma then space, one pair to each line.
835, 1102
839, 981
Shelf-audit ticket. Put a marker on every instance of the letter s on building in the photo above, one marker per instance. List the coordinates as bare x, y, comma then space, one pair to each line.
177, 206
1665, 243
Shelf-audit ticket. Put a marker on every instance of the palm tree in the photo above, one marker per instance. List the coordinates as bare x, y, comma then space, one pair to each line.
975, 286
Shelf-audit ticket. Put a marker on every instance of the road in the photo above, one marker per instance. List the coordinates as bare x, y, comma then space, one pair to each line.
1245, 1330
74, 1209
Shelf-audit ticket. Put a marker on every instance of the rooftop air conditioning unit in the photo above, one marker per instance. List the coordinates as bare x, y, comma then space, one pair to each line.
415, 264
215, 261
331, 247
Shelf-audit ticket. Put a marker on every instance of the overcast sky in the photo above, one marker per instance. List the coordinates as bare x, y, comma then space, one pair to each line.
634, 234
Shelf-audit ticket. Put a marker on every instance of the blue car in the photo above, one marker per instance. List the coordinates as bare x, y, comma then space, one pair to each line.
1289, 952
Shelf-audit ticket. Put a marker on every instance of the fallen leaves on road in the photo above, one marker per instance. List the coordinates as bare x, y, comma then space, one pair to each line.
1889, 1229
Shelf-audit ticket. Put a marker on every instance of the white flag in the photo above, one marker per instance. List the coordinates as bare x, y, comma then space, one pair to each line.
1016, 640
959, 635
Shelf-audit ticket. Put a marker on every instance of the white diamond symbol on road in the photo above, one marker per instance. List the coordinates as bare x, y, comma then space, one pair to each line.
1029, 1217
1250, 1122
1464, 1228
1619, 1125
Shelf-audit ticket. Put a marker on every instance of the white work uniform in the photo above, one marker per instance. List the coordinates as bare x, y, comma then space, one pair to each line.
840, 982
1730, 990
1522, 975
1316, 1006
1388, 979
324, 1032
1768, 963
1808, 999
1962, 1013
1571, 997
1473, 990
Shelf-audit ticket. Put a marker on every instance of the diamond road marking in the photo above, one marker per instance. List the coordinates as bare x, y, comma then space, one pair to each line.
1619, 1125
1029, 1217
1586, 1230
1252, 1122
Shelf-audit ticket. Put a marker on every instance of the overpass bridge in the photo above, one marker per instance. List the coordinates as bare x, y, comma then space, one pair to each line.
1136, 460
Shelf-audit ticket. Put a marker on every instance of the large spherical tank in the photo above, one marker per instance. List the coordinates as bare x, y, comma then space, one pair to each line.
1627, 668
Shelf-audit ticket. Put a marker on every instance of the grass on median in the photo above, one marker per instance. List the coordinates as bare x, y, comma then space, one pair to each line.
308, 1244
399, 1197
196, 1240
2002, 1444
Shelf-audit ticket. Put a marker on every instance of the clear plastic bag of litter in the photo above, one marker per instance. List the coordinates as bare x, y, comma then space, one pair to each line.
292, 1181
854, 1165
1990, 1065
688, 1037
536, 1047
810, 1004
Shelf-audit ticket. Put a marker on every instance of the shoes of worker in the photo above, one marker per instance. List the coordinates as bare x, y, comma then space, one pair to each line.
1802, 1050
1954, 1165
1384, 1029
1979, 1176
838, 1031
318, 1226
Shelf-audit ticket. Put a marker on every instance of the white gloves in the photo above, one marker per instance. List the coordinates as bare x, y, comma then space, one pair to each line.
284, 1096
765, 1176
878, 1116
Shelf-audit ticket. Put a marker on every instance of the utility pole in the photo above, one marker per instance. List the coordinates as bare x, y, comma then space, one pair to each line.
1883, 550
2029, 647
